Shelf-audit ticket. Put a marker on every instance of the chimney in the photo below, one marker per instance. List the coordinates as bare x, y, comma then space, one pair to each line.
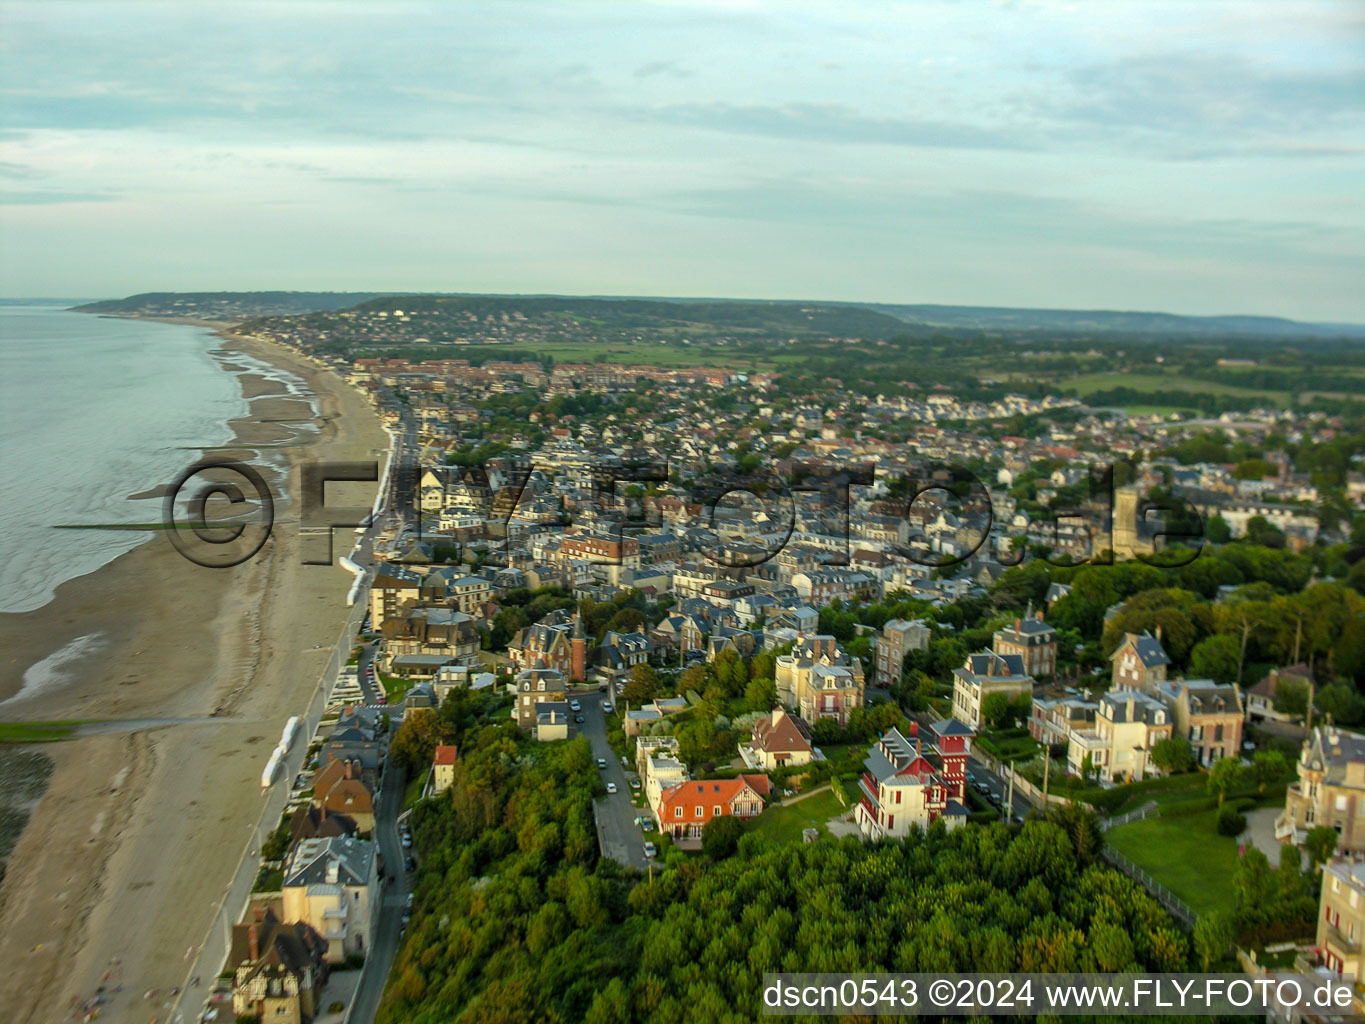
914, 730
253, 940
1158, 632
918, 741
346, 769
1017, 624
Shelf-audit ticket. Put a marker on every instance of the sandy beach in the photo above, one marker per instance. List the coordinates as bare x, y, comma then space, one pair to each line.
122, 867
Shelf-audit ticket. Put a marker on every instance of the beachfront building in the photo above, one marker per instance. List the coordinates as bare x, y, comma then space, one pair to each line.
330, 884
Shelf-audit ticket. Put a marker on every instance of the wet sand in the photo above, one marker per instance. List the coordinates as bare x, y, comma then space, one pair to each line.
128, 854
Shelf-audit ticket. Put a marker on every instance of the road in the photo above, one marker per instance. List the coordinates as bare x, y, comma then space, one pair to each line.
387, 930
620, 838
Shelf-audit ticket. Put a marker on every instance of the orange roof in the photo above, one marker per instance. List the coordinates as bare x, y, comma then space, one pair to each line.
445, 755
704, 795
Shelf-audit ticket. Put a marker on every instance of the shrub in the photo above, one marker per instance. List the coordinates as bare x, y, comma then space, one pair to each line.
1243, 804
1230, 823
336, 1007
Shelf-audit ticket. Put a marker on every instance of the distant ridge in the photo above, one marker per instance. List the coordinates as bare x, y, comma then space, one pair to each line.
236, 306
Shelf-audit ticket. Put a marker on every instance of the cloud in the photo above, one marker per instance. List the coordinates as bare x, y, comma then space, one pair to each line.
838, 123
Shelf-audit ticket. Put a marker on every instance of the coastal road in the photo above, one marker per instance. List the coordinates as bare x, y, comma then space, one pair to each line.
386, 935
619, 836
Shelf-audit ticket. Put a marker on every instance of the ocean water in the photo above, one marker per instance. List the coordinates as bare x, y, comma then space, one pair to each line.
93, 410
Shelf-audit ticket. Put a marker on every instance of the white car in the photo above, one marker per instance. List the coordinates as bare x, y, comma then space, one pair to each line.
651, 850
606, 707
611, 787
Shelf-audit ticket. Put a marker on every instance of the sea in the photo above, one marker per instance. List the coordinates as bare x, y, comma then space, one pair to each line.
94, 410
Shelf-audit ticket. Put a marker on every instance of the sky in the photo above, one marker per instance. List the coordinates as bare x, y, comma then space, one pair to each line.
1200, 157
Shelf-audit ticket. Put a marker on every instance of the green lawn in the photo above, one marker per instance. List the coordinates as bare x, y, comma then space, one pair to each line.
1186, 854
36, 732
784, 823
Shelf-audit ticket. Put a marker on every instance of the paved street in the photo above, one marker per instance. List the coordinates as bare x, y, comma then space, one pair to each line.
620, 837
395, 891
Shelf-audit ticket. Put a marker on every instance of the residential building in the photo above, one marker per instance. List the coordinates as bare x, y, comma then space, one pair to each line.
278, 969
1140, 662
1341, 919
818, 679
1127, 725
1262, 698
898, 638
339, 789
1033, 640
1330, 789
904, 786
684, 809
332, 884
1210, 715
780, 740
393, 590
986, 673
537, 686
443, 768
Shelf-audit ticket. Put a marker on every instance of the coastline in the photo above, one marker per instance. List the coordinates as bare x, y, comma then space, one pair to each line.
128, 853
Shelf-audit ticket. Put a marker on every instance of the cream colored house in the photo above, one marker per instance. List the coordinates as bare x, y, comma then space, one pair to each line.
656, 759
1330, 790
1341, 923
330, 885
983, 674
818, 679
1127, 725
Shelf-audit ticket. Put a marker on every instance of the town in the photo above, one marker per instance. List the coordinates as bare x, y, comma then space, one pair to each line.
721, 656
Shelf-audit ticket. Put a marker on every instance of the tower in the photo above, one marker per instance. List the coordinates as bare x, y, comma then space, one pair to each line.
578, 643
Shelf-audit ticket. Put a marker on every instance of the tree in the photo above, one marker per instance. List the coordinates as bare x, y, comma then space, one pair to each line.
1216, 658
641, 684
1342, 702
1268, 766
1217, 530
1224, 776
1321, 843
1213, 934
720, 836
418, 737
1082, 827
1173, 755
1230, 822
996, 711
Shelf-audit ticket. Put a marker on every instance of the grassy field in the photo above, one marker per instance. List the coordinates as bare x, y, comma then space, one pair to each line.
785, 823
1186, 854
1162, 383
36, 732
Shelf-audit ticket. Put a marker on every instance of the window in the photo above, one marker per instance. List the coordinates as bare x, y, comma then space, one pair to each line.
697, 810
1341, 801
677, 812
715, 811
898, 796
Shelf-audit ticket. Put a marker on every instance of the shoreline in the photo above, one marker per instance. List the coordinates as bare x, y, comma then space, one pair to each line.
128, 854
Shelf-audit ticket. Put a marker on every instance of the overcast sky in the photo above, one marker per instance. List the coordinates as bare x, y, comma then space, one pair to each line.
1199, 157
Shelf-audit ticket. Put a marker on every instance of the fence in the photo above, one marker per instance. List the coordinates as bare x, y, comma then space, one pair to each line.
1173, 903
1145, 811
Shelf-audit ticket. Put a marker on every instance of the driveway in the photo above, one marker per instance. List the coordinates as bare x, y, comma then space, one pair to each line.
394, 896
620, 838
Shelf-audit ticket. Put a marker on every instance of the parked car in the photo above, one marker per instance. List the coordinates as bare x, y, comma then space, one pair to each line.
611, 787
651, 850
602, 763
575, 706
606, 707
407, 842
410, 864
634, 783
578, 719
643, 822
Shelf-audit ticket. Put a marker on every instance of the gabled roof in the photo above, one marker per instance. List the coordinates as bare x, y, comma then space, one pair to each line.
781, 733
1147, 647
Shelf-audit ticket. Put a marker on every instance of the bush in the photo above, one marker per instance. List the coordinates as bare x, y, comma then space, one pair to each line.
1243, 804
1230, 823
336, 1007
